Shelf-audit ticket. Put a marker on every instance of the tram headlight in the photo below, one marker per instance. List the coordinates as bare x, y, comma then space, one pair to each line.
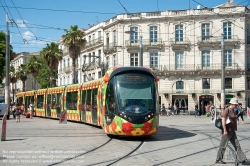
121, 115
149, 116
125, 116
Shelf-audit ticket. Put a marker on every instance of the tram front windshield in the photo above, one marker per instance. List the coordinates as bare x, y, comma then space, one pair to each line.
135, 93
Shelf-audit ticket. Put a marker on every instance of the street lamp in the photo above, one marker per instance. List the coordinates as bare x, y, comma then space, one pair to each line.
222, 71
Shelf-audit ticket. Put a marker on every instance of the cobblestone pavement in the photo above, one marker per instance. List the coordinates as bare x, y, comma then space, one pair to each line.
181, 140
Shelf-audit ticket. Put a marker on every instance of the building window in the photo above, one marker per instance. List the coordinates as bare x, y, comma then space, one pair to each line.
179, 60
64, 81
178, 33
134, 36
107, 60
84, 78
248, 82
114, 37
68, 62
228, 58
228, 83
64, 63
89, 57
227, 30
114, 60
205, 83
205, 31
107, 38
154, 59
179, 85
99, 74
205, 59
93, 76
99, 55
153, 34
134, 59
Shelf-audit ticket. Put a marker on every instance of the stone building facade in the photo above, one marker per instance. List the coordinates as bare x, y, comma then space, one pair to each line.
184, 48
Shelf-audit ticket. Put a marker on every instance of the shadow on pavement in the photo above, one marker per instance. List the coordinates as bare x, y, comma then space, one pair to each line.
15, 139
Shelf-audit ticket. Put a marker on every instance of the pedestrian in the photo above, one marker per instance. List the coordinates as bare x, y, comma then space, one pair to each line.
163, 110
31, 109
240, 113
196, 112
17, 112
175, 110
169, 109
212, 111
229, 134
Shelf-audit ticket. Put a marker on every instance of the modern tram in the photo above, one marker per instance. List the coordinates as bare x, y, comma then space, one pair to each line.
123, 102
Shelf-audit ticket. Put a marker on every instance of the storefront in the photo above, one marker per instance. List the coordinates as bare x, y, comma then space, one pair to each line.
203, 101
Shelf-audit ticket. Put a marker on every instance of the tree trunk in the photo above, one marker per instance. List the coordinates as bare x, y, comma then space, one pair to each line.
74, 70
24, 86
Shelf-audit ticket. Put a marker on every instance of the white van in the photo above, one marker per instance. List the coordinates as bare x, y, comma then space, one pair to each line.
3, 109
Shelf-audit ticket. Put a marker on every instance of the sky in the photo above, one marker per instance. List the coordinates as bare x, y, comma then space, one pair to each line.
43, 21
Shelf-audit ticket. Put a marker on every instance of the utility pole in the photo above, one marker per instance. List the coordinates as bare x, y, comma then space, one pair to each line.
141, 53
7, 64
222, 71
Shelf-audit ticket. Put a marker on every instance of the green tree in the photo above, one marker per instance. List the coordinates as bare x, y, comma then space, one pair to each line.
34, 66
22, 75
73, 39
42, 77
3, 54
52, 55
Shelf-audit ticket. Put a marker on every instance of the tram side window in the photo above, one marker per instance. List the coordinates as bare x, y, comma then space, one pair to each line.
94, 99
110, 100
40, 101
20, 100
58, 100
83, 100
53, 101
71, 100
88, 100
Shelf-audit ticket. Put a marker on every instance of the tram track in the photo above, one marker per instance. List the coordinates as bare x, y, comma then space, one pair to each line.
79, 155
128, 154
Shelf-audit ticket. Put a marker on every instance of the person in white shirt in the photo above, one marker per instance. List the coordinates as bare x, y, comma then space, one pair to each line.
31, 109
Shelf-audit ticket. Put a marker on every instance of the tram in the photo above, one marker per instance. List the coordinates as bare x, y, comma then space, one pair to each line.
123, 102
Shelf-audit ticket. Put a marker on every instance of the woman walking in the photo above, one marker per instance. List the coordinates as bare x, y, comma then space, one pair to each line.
17, 112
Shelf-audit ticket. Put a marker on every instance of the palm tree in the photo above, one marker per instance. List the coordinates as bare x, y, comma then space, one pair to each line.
13, 80
34, 66
52, 55
73, 39
22, 74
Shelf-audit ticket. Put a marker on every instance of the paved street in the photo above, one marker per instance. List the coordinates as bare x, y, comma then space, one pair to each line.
181, 140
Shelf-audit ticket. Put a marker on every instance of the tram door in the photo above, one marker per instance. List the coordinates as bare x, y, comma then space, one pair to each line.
94, 105
83, 112
48, 109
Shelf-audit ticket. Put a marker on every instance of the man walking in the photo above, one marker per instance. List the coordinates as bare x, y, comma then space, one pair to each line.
31, 109
229, 133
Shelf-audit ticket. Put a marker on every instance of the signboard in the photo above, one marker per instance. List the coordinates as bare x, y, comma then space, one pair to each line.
213, 114
63, 117
3, 136
248, 113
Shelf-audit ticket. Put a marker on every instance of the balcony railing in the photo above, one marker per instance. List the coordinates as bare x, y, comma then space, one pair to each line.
217, 39
180, 41
145, 43
92, 65
109, 48
94, 43
217, 66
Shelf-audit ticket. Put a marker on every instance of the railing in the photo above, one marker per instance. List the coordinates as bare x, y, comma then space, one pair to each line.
217, 39
179, 67
217, 66
205, 86
145, 42
94, 42
181, 40
200, 91
109, 47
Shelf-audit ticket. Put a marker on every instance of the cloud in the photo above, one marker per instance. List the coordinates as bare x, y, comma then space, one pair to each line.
21, 23
28, 35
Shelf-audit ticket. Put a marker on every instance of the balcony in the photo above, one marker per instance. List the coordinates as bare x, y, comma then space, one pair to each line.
180, 43
91, 66
67, 69
215, 41
110, 48
194, 69
147, 44
91, 45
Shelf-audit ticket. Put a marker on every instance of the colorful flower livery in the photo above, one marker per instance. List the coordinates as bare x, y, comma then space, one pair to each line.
123, 102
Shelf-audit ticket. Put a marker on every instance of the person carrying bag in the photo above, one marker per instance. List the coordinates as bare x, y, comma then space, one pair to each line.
17, 112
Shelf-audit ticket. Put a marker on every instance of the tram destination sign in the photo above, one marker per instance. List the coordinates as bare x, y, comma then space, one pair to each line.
133, 78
